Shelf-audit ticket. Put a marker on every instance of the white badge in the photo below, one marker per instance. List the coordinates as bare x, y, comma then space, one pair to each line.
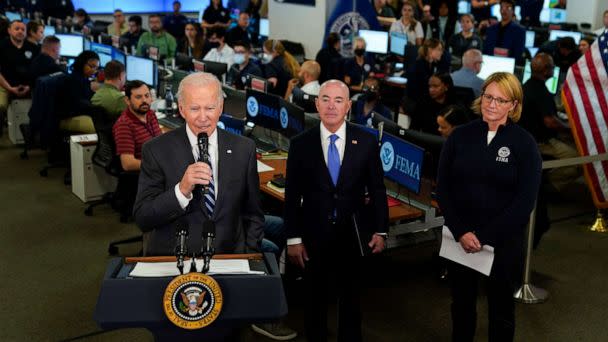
28, 54
366, 67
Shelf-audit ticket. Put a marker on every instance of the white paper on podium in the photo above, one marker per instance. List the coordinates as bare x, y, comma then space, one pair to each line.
169, 269
451, 249
264, 167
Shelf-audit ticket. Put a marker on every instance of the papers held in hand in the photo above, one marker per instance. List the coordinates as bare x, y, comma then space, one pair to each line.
168, 269
451, 249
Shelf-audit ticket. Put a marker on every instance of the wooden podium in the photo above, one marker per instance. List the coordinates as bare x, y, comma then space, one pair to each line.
126, 302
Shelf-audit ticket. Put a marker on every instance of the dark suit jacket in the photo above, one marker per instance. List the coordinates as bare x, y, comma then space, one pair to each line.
311, 197
514, 39
238, 216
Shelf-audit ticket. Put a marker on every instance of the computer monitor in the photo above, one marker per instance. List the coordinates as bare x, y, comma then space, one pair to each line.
304, 100
143, 69
495, 12
557, 34
492, 64
264, 27
398, 43
49, 30
376, 41
12, 16
104, 52
72, 45
464, 7
530, 38
533, 51
234, 102
273, 112
552, 83
553, 15
119, 55
401, 161
291, 118
216, 68
384, 124
231, 124
256, 83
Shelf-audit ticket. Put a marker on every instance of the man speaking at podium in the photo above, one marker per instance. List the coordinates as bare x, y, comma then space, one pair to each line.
335, 211
172, 179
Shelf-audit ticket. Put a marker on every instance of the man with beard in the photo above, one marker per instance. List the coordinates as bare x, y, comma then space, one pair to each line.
157, 37
136, 125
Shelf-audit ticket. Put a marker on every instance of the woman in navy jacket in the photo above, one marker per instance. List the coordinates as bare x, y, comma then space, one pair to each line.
488, 180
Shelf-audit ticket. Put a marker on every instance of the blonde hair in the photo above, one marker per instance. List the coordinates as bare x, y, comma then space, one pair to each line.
292, 65
508, 84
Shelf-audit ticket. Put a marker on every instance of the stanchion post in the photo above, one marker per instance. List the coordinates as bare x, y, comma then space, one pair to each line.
528, 293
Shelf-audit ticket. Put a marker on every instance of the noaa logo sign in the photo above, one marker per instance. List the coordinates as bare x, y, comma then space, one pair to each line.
283, 117
387, 156
252, 106
221, 125
193, 301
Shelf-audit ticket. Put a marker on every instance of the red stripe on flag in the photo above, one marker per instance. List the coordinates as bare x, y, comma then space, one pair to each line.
601, 97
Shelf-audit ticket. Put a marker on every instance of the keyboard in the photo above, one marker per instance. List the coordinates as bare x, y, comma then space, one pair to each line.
172, 122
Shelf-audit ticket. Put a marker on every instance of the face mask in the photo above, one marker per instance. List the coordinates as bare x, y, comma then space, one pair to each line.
266, 58
213, 45
239, 58
359, 52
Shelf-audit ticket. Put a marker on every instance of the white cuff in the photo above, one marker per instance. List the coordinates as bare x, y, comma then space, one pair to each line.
183, 200
294, 241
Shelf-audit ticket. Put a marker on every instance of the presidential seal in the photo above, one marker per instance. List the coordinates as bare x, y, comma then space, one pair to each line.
193, 301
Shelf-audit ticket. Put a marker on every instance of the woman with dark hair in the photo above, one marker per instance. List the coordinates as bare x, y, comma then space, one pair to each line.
408, 25
439, 97
450, 118
193, 42
82, 21
279, 66
35, 32
216, 15
418, 74
79, 88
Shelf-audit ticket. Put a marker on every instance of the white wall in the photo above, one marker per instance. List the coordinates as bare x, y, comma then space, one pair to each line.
589, 12
303, 24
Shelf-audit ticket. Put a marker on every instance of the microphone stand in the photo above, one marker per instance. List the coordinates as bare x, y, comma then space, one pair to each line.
207, 249
181, 249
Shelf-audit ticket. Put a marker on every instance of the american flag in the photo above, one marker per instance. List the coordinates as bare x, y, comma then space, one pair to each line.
585, 95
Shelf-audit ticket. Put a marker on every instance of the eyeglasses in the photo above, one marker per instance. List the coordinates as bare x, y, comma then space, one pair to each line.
93, 66
489, 98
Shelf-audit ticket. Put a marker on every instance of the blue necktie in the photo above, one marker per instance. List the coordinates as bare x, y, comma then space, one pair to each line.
209, 199
333, 159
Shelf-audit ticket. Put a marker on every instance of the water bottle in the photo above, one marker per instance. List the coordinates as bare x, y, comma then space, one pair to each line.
169, 99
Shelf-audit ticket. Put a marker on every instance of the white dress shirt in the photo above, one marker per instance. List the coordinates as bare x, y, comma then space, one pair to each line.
226, 55
213, 156
312, 88
325, 141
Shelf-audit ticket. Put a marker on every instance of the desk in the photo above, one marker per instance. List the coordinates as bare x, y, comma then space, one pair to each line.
396, 213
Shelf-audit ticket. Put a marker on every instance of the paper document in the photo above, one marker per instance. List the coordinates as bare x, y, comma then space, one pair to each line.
263, 167
451, 249
169, 269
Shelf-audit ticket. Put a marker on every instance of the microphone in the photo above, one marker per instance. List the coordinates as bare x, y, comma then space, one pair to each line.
203, 153
181, 249
207, 248
380, 130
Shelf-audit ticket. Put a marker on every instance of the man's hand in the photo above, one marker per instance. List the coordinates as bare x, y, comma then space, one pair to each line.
377, 243
197, 173
297, 254
19, 90
470, 243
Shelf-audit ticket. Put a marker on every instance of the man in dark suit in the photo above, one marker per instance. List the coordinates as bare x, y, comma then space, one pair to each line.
336, 210
170, 179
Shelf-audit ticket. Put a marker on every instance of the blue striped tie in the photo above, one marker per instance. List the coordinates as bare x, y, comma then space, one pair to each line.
210, 195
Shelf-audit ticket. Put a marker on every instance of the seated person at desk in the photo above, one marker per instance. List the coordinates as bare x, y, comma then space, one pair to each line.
465, 39
136, 125
47, 62
240, 32
118, 26
429, 55
131, 38
279, 66
408, 25
566, 53
539, 117
307, 81
220, 51
108, 96
368, 102
359, 67
466, 77
15, 60
193, 42
450, 118
170, 172
157, 37
82, 22
78, 94
506, 38
439, 97
237, 74
216, 15
35, 32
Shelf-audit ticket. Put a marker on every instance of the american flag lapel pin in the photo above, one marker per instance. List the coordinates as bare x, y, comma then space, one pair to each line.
229, 151
354, 142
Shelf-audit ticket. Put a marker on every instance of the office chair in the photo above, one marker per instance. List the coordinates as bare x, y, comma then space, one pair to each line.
105, 157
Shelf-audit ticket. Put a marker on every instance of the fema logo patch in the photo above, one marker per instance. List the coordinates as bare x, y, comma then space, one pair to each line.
192, 301
504, 152
346, 26
221, 125
252, 106
284, 118
387, 156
